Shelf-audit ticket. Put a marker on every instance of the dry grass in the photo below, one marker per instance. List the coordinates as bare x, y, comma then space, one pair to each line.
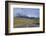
25, 21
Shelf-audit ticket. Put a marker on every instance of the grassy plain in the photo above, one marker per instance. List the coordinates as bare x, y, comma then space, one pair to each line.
20, 21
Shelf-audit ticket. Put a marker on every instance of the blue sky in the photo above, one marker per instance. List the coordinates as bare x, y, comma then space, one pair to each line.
30, 12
